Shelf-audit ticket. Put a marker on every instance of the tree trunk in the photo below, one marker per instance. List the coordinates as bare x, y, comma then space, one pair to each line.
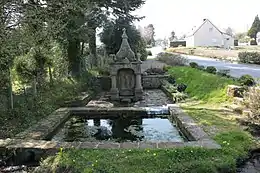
11, 99
50, 75
93, 46
74, 57
34, 87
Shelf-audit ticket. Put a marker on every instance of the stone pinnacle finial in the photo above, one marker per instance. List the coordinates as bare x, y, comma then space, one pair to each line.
124, 36
125, 50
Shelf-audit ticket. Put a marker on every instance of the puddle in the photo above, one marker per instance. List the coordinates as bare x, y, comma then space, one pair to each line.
119, 130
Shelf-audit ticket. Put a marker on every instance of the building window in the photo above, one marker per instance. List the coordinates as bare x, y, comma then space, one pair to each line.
210, 29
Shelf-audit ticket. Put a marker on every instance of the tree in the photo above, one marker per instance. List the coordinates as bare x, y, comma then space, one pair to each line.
10, 17
118, 9
111, 37
255, 28
148, 34
173, 36
229, 31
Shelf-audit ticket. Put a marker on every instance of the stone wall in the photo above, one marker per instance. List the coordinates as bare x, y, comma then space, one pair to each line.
148, 82
153, 81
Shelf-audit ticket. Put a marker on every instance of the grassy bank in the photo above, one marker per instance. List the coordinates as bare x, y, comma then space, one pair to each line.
201, 85
206, 88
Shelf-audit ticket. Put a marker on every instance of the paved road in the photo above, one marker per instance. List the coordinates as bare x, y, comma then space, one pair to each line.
236, 70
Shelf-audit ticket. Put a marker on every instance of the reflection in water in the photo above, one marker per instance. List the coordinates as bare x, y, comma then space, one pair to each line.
120, 130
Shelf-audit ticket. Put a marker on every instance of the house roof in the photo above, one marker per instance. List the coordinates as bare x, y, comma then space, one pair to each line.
205, 21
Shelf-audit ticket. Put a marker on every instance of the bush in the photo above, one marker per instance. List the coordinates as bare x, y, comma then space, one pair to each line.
211, 69
172, 59
191, 52
166, 68
253, 42
194, 65
201, 67
246, 80
155, 71
223, 73
149, 53
252, 98
181, 87
249, 57
171, 80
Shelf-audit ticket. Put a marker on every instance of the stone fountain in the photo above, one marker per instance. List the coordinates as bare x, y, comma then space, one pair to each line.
125, 74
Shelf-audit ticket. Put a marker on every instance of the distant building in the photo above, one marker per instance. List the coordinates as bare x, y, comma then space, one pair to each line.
209, 35
258, 38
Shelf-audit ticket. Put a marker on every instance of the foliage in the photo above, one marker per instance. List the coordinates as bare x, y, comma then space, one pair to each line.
224, 72
253, 42
171, 80
149, 53
194, 65
148, 34
229, 31
249, 57
166, 67
255, 28
211, 69
181, 87
202, 85
111, 37
173, 36
246, 80
252, 98
172, 59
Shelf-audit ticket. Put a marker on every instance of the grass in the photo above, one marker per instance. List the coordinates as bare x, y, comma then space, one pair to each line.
201, 85
209, 91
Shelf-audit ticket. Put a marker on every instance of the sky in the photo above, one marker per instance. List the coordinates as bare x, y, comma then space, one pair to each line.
182, 15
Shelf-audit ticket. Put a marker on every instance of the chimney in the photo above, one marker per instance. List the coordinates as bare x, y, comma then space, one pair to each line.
204, 20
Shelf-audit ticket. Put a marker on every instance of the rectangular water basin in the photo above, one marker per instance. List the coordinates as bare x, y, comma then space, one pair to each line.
119, 130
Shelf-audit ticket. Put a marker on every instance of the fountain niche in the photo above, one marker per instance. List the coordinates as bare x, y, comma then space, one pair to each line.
125, 74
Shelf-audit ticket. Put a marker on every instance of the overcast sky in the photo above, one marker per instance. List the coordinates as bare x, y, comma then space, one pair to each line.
182, 15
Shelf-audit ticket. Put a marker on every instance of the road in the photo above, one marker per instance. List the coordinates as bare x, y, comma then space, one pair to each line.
236, 69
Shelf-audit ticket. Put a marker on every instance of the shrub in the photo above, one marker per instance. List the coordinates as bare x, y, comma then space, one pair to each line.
149, 53
201, 67
191, 52
253, 42
249, 57
223, 72
211, 69
166, 67
155, 71
252, 98
181, 87
172, 59
171, 80
246, 80
194, 65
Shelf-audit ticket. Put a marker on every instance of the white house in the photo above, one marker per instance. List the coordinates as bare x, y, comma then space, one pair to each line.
258, 38
208, 35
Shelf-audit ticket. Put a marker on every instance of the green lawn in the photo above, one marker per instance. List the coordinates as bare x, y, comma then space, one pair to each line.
207, 88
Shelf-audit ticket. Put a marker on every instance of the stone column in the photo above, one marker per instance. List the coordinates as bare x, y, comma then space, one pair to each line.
114, 93
138, 83
113, 82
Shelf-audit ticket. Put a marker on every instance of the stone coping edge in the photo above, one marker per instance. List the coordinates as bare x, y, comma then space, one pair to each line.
44, 128
189, 127
14, 144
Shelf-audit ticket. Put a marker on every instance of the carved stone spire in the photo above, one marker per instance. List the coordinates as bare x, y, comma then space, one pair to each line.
125, 50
